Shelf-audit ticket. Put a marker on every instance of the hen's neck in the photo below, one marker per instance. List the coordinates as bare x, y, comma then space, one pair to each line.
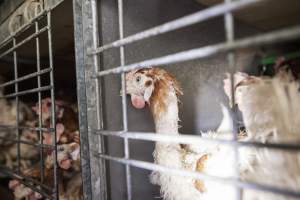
164, 107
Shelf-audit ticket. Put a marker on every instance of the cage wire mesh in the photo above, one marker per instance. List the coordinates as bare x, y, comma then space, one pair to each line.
41, 24
89, 76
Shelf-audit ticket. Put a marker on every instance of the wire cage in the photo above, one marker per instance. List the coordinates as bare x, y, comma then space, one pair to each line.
31, 82
10, 46
91, 71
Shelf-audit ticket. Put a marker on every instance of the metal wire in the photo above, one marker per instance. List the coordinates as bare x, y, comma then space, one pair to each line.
202, 52
228, 46
28, 143
38, 66
3, 126
178, 23
53, 113
25, 92
194, 139
22, 177
124, 101
229, 30
35, 185
17, 108
198, 175
27, 39
22, 29
29, 182
26, 26
26, 77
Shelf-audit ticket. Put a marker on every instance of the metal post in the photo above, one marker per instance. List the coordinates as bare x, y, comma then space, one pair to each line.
17, 107
38, 66
229, 30
124, 102
86, 37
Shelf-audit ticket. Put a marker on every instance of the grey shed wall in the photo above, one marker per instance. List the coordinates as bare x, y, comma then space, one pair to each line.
201, 80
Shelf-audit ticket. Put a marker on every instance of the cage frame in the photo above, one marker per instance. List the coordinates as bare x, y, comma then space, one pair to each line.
88, 51
35, 185
88, 47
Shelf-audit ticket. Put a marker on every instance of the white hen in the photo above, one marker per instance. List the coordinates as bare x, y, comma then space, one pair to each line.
270, 109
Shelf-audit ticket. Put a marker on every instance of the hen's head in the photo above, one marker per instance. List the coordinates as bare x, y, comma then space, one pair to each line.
140, 86
149, 84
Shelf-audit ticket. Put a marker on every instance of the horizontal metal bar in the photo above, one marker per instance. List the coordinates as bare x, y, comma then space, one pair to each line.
41, 89
199, 175
193, 139
28, 143
38, 183
21, 177
2, 126
178, 23
32, 75
34, 35
22, 29
36, 189
202, 52
24, 180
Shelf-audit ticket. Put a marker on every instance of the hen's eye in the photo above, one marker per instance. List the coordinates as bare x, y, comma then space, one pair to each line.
138, 79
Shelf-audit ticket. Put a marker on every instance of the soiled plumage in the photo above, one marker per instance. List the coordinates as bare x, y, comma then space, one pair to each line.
68, 153
160, 90
28, 152
270, 109
10, 119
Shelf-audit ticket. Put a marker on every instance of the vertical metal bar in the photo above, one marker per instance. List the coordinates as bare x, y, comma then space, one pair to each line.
229, 30
53, 117
93, 91
95, 33
38, 66
82, 101
124, 102
17, 107
96, 59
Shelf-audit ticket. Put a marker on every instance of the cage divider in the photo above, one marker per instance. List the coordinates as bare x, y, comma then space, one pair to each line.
53, 113
91, 58
17, 108
38, 66
124, 101
98, 94
229, 32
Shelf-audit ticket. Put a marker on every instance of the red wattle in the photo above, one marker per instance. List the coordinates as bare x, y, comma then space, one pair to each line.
137, 101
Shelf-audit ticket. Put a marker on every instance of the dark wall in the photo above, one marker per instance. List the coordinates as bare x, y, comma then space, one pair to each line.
201, 79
